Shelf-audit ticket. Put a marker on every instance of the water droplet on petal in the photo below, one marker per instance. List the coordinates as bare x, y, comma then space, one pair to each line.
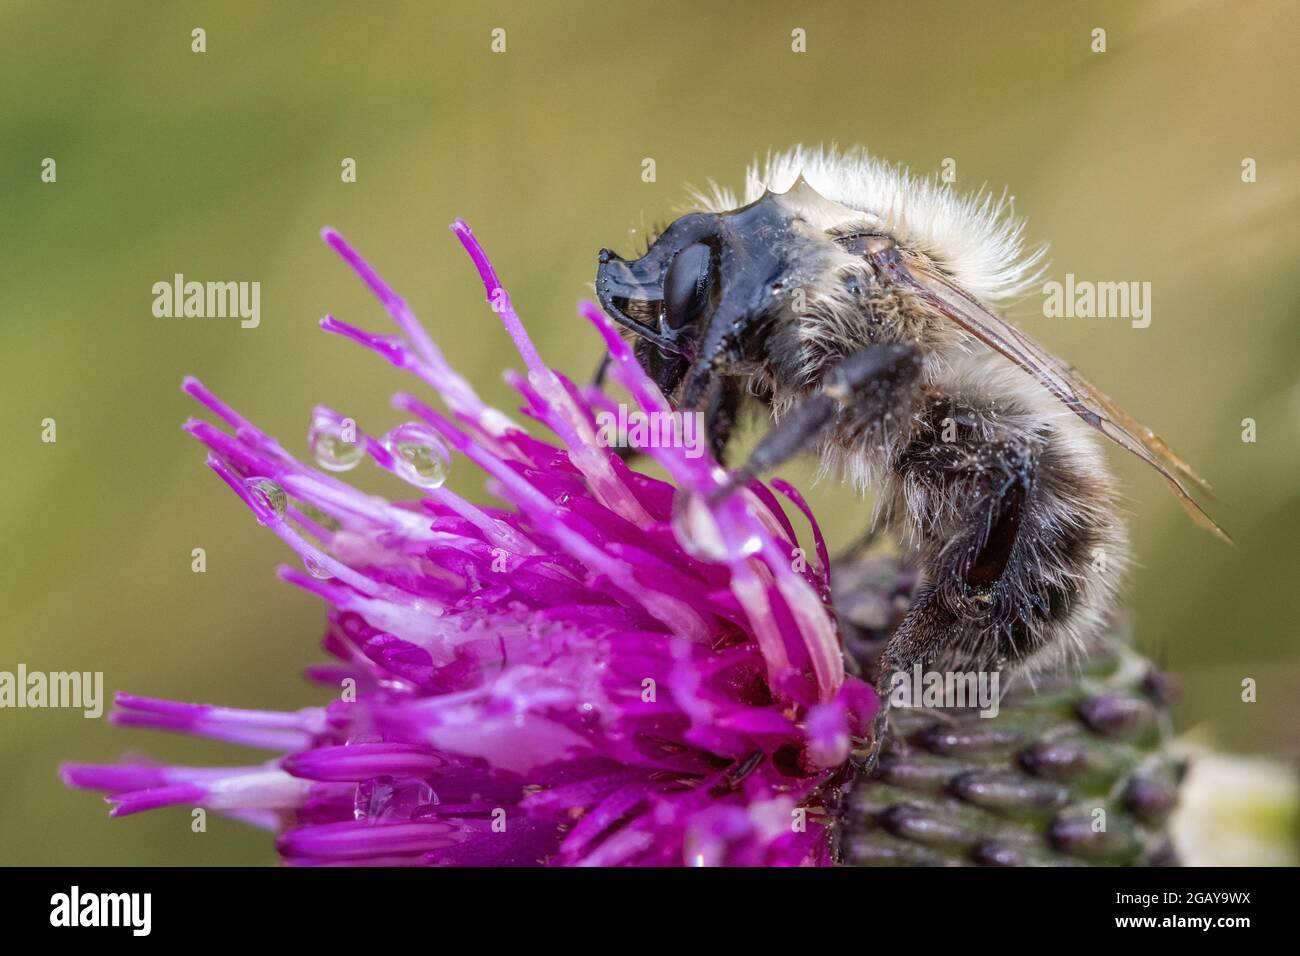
697, 530
385, 798
332, 447
268, 493
315, 567
420, 455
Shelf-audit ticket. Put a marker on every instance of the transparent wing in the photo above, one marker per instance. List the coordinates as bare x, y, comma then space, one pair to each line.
1074, 391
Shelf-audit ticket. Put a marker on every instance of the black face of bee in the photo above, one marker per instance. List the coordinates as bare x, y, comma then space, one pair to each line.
705, 293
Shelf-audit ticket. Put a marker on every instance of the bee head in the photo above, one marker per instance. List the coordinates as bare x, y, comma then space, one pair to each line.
712, 284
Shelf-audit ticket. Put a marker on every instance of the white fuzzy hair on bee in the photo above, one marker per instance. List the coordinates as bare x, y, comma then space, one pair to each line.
975, 236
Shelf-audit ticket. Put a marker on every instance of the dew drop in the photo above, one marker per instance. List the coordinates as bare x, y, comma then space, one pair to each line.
697, 530
331, 447
695, 527
315, 567
420, 455
268, 493
384, 798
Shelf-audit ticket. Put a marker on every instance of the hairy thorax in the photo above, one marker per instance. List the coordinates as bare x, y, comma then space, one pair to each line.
851, 310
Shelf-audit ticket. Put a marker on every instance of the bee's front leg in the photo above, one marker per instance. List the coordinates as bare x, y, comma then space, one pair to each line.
721, 411
870, 385
602, 371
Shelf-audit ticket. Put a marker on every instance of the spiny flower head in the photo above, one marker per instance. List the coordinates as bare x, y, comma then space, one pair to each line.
607, 669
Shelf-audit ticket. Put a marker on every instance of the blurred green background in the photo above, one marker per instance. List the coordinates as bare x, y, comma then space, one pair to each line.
224, 165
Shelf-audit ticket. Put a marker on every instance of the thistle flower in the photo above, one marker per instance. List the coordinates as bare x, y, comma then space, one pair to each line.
608, 669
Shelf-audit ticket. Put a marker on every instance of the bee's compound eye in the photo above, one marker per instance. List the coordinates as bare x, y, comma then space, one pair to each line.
688, 285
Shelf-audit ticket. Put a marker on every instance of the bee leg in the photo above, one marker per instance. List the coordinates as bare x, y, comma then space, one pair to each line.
720, 415
602, 370
866, 386
598, 381
878, 727
969, 607
1007, 519
880, 724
